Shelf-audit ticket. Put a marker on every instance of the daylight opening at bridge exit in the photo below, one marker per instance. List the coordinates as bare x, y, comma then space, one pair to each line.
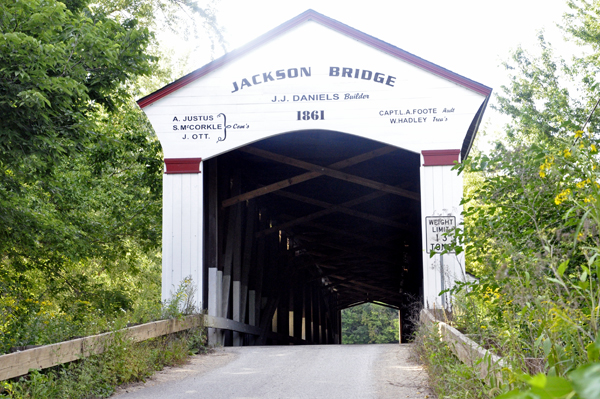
308, 172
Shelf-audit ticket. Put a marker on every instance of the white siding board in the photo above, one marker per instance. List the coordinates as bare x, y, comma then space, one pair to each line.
200, 237
441, 195
176, 274
195, 236
167, 236
186, 225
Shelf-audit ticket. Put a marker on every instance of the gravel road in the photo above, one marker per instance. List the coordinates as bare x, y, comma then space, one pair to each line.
315, 371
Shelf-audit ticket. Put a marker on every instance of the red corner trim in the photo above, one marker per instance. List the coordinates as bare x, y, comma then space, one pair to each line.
440, 157
182, 165
333, 24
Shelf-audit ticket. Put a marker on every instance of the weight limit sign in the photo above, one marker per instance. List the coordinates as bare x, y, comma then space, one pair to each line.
437, 228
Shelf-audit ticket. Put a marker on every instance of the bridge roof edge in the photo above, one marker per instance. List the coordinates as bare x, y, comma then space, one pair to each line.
311, 15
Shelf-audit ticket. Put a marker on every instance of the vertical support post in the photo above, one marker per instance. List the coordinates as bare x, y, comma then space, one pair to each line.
183, 216
298, 308
230, 248
247, 258
316, 316
283, 311
252, 307
399, 326
212, 249
308, 319
323, 319
340, 339
237, 260
441, 194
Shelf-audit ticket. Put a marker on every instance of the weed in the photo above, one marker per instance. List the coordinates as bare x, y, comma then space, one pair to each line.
448, 376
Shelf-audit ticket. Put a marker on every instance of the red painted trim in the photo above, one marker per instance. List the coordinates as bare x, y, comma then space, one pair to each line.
182, 165
440, 157
333, 24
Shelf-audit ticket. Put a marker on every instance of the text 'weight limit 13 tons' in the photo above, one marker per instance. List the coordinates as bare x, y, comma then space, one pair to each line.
439, 232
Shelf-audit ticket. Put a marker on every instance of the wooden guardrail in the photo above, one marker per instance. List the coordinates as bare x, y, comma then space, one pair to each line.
19, 363
488, 365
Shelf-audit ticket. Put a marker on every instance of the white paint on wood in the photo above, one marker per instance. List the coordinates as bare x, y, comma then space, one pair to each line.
262, 108
182, 233
176, 236
441, 192
258, 96
167, 237
197, 237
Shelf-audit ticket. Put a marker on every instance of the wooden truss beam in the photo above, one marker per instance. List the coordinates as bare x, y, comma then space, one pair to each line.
344, 207
306, 176
366, 286
342, 232
336, 174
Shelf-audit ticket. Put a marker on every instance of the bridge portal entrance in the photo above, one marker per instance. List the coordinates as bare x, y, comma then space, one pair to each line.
308, 172
314, 214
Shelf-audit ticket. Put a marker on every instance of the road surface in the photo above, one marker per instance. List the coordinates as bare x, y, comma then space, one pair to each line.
314, 371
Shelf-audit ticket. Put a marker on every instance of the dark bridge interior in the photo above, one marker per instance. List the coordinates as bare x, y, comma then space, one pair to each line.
306, 224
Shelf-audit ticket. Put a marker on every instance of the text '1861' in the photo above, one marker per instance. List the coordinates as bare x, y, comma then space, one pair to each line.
311, 115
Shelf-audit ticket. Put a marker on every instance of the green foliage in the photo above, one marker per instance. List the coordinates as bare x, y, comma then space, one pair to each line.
97, 376
80, 173
369, 324
56, 65
448, 376
532, 223
581, 383
122, 361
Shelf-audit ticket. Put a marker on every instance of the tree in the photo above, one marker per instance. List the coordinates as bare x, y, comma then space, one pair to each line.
532, 222
80, 168
370, 324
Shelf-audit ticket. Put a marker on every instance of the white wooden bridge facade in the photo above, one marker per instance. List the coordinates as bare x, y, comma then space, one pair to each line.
310, 171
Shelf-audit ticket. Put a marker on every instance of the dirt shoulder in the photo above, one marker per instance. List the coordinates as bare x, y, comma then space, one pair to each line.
196, 366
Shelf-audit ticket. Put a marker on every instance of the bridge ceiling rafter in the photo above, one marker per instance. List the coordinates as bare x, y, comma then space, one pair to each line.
349, 208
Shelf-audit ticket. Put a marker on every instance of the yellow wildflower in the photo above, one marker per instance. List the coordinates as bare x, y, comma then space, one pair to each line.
561, 197
548, 161
567, 152
589, 198
593, 148
578, 134
583, 183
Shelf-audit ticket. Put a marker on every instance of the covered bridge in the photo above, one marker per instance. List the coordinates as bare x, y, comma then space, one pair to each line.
311, 171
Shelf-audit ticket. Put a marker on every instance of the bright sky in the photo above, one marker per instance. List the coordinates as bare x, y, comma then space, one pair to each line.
469, 37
